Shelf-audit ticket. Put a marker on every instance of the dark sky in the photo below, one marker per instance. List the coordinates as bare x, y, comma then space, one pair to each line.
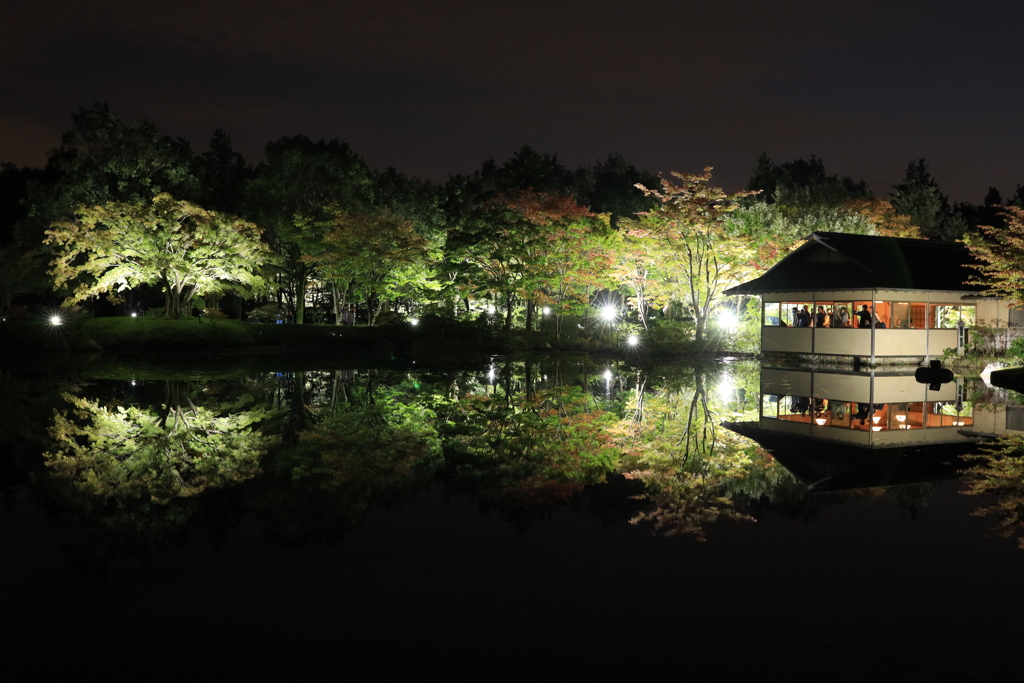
434, 88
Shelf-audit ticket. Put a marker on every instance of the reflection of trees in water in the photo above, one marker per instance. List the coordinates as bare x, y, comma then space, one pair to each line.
176, 450
998, 474
319, 449
692, 467
516, 451
132, 478
365, 446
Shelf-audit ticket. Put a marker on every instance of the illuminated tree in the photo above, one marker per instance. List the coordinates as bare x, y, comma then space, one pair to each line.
378, 254
295, 191
104, 159
680, 251
999, 253
564, 252
185, 249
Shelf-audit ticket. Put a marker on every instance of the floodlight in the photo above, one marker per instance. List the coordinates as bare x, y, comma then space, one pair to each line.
727, 319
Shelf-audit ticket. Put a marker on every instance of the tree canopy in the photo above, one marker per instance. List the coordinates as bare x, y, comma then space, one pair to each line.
185, 249
1000, 255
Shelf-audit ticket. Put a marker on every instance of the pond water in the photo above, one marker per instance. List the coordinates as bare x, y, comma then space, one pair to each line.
555, 517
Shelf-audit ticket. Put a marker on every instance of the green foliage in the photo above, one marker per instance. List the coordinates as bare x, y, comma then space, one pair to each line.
919, 197
747, 338
998, 475
129, 452
296, 190
999, 255
803, 183
378, 255
185, 249
375, 442
101, 160
1016, 349
680, 252
673, 333
539, 447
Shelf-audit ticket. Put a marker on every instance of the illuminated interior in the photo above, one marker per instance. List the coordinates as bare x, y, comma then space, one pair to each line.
867, 416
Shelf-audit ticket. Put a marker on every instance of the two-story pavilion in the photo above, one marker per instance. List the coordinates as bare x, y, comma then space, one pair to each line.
872, 300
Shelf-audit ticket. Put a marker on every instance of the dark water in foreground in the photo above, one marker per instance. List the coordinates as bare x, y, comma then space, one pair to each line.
431, 556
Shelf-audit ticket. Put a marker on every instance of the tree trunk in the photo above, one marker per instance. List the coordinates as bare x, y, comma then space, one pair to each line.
508, 311
300, 297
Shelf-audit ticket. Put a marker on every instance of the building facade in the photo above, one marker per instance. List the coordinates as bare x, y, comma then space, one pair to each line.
872, 300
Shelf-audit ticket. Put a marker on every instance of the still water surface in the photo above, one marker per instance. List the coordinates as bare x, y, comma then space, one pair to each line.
510, 520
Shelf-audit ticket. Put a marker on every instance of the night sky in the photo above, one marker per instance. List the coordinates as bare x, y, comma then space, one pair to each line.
434, 88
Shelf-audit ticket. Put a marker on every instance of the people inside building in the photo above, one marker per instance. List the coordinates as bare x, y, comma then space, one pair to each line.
864, 317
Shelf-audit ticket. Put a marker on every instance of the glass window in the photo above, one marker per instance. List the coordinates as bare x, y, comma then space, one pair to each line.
900, 316
861, 314
772, 315
795, 408
819, 315
951, 414
883, 314
841, 314
948, 316
797, 313
907, 315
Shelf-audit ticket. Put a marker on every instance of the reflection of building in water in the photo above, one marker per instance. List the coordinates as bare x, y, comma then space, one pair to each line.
846, 429
868, 408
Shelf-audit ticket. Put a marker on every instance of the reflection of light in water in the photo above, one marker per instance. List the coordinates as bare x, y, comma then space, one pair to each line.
726, 387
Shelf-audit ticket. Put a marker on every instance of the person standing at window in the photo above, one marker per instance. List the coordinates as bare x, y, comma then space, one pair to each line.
864, 317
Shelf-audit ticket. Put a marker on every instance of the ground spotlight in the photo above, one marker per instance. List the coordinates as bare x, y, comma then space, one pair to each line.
727, 319
414, 321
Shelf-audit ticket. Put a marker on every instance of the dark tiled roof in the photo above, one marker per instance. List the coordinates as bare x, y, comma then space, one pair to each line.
834, 260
